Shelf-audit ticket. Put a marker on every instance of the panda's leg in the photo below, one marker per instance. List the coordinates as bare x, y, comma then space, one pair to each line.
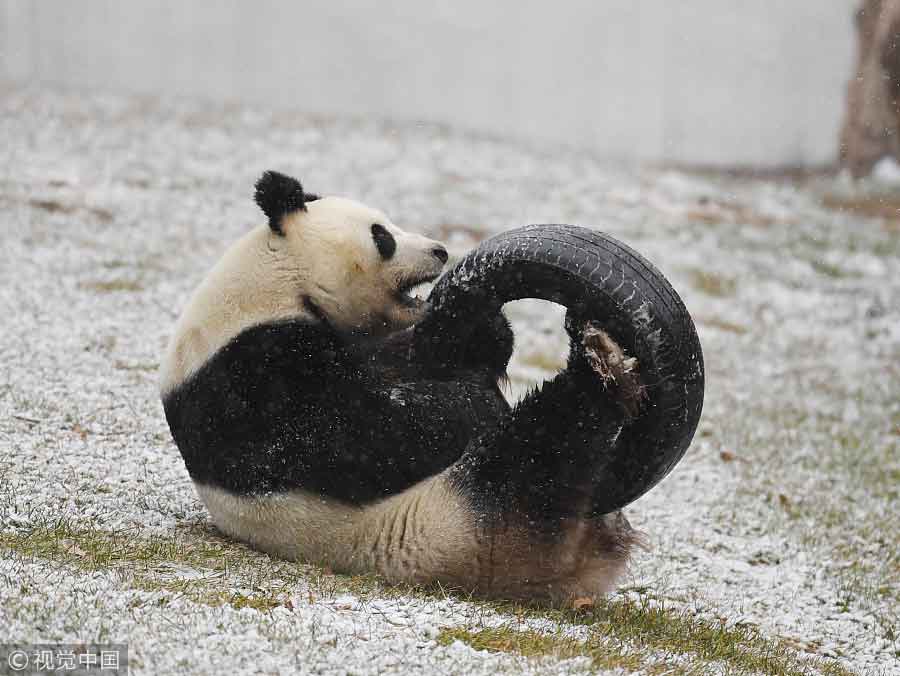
531, 481
490, 345
424, 535
541, 458
482, 342
513, 517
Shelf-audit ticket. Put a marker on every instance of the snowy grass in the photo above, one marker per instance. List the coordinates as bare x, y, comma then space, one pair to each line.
197, 565
773, 546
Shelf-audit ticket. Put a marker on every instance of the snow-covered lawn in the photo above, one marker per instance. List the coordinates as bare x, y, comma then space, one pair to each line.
775, 541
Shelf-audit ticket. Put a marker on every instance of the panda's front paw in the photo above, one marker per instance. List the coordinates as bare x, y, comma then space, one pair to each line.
574, 324
404, 316
596, 355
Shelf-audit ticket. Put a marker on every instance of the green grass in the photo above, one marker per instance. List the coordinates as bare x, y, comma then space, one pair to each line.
711, 283
722, 324
633, 634
152, 564
532, 644
217, 566
829, 269
112, 286
543, 361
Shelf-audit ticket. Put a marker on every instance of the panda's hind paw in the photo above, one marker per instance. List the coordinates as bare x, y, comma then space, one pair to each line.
617, 372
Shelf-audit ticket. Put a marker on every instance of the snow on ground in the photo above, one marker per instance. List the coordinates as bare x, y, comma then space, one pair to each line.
783, 515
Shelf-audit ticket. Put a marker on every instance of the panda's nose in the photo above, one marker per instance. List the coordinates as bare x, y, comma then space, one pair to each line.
440, 253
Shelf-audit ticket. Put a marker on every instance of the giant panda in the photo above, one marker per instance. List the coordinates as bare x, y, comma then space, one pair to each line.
326, 414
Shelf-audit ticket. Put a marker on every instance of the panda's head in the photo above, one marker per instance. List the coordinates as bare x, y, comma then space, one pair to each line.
356, 268
324, 260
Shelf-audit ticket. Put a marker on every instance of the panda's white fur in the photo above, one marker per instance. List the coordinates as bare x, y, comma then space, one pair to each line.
428, 534
317, 264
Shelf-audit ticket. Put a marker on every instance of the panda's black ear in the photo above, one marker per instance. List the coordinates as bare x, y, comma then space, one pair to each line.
278, 195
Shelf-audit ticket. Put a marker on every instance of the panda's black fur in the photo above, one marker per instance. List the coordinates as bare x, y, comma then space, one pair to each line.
271, 435
305, 438
277, 195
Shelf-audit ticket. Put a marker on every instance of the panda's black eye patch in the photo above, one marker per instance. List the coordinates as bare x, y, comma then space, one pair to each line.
384, 241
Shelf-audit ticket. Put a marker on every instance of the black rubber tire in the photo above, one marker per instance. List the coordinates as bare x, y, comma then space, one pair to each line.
601, 279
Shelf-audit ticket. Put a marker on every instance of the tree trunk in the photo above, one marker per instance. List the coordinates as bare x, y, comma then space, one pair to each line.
872, 122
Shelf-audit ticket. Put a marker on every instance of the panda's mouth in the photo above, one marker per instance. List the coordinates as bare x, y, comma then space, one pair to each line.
412, 292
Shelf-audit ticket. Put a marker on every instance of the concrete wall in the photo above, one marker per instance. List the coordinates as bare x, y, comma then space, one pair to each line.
700, 81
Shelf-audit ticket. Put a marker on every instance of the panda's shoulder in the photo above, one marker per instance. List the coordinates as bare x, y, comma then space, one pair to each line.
289, 347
